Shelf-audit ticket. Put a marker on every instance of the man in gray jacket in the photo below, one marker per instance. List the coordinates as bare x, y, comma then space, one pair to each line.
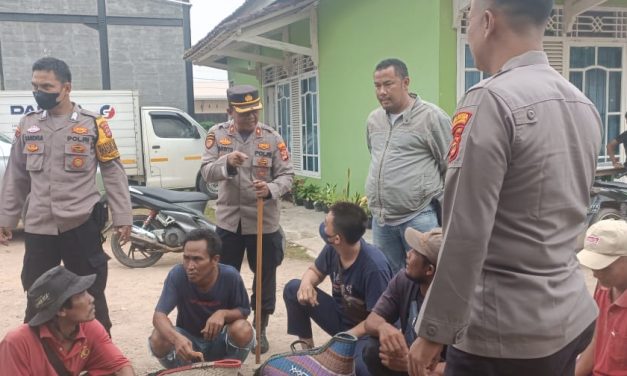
509, 293
408, 140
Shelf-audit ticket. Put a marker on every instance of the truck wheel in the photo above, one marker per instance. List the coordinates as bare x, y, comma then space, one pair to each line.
607, 213
210, 189
130, 254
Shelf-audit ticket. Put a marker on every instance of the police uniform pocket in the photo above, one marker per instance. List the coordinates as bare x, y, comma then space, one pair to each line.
34, 156
261, 168
76, 157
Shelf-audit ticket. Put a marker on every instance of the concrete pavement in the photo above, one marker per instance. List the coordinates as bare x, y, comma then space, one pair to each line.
301, 227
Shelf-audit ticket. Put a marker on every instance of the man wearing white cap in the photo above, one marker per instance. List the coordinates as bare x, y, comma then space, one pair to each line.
605, 252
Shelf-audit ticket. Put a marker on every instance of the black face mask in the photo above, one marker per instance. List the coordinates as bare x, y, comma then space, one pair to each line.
324, 235
46, 101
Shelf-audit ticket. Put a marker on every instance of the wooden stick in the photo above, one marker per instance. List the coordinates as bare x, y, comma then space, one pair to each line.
258, 279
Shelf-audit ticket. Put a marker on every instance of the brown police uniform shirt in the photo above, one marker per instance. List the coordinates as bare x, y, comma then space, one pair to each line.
521, 164
55, 160
268, 159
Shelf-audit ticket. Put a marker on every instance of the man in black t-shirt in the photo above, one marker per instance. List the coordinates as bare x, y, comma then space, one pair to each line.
611, 147
386, 352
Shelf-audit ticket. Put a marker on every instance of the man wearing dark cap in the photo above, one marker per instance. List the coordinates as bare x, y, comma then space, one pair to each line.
62, 338
387, 349
249, 160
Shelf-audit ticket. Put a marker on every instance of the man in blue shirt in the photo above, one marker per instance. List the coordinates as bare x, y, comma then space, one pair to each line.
212, 306
359, 274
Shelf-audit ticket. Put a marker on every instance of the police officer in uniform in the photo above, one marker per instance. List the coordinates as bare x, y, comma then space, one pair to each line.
509, 295
54, 157
249, 160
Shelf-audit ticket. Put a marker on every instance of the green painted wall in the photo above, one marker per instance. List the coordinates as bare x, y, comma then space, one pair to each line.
609, 3
354, 35
615, 3
448, 59
241, 78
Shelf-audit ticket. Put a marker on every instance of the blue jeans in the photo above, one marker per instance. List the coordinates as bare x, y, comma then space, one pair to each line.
327, 314
391, 239
216, 349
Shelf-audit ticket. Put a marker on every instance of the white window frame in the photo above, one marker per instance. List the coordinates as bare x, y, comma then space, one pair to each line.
461, 65
303, 172
276, 111
598, 42
567, 42
296, 152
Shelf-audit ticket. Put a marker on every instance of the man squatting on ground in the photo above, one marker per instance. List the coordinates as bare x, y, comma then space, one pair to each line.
359, 274
387, 348
212, 306
62, 337
605, 252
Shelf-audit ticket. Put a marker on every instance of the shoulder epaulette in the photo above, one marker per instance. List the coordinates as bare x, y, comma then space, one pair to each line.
89, 113
34, 112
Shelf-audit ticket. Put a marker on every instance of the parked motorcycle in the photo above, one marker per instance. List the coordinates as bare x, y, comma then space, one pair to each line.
609, 201
171, 215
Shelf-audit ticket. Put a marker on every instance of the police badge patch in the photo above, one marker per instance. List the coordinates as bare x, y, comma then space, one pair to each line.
210, 140
283, 150
106, 149
105, 128
79, 130
459, 123
78, 162
17, 134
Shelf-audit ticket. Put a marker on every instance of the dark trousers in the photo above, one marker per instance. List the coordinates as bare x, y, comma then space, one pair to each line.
326, 314
373, 361
233, 247
561, 363
81, 251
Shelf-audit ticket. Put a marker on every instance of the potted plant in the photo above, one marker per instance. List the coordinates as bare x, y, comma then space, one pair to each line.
297, 191
310, 193
363, 203
328, 196
318, 204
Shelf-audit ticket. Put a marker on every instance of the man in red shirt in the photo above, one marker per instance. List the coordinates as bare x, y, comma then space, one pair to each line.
605, 252
62, 338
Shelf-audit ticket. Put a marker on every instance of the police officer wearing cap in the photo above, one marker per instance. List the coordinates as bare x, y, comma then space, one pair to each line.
54, 157
249, 160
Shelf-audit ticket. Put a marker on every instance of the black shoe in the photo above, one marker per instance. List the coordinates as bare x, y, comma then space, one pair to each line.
263, 341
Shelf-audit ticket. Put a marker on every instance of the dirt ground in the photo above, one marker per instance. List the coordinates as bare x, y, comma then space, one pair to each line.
132, 295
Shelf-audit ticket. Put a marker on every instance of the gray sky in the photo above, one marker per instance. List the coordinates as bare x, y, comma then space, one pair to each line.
205, 15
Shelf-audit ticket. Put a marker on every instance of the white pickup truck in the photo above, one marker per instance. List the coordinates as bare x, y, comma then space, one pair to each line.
159, 146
